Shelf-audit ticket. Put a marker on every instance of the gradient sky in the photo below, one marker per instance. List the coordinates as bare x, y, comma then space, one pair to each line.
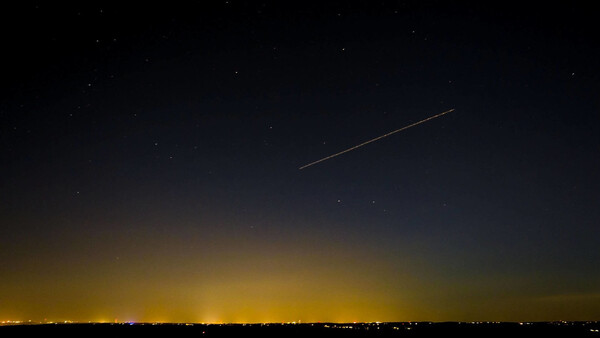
149, 162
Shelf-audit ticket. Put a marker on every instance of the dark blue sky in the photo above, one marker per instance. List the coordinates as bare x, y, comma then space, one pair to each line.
155, 149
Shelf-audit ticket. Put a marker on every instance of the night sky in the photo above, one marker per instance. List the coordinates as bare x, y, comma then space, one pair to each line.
149, 159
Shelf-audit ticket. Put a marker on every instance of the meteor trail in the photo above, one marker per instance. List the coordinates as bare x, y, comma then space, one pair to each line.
375, 139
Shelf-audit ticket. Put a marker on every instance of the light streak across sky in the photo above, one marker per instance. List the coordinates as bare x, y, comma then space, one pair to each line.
375, 139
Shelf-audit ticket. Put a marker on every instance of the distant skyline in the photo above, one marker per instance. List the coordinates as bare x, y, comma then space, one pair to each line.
150, 161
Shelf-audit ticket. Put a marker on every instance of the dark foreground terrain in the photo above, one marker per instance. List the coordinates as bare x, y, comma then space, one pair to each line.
553, 329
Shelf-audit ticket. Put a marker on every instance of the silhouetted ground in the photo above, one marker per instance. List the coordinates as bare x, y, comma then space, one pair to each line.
562, 329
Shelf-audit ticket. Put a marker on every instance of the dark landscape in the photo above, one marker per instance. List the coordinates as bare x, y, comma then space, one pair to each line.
416, 329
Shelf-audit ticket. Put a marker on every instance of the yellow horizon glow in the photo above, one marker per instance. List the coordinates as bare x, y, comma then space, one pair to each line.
239, 280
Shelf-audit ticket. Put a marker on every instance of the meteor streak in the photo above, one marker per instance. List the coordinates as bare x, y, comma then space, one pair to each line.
375, 139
